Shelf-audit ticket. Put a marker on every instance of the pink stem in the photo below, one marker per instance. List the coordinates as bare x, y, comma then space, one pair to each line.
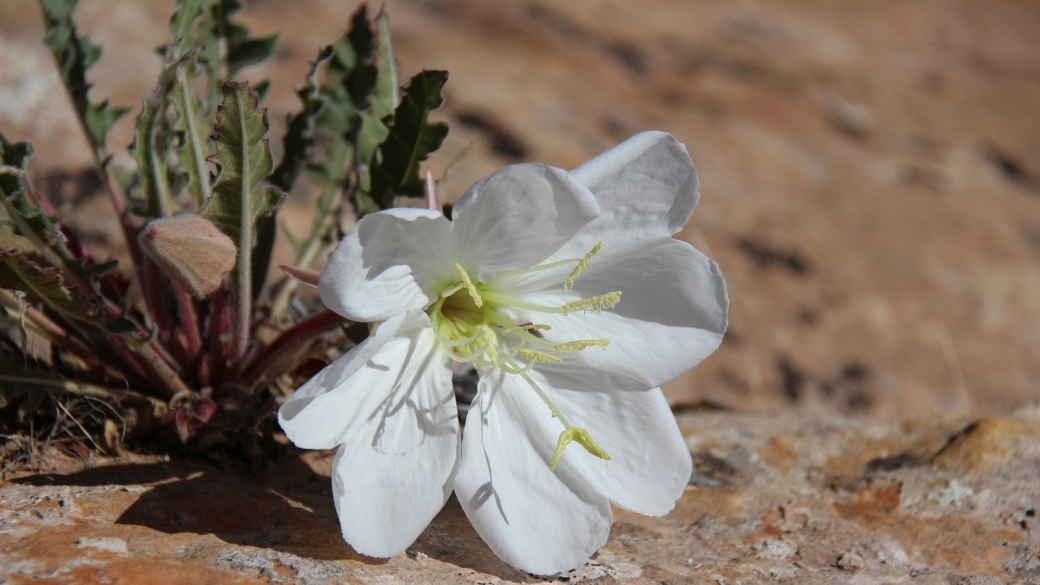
290, 342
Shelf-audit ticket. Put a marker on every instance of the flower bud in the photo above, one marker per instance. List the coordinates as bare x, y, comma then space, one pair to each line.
190, 250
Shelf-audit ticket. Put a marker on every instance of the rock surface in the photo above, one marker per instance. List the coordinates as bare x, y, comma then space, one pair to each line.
782, 498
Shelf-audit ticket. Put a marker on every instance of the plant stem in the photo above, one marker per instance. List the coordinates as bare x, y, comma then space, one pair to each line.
319, 240
315, 245
54, 333
168, 378
190, 323
198, 157
82, 388
244, 272
289, 343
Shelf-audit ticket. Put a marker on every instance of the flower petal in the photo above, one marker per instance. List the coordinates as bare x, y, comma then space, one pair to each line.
317, 415
392, 477
518, 217
536, 520
647, 189
649, 464
388, 264
672, 314
394, 413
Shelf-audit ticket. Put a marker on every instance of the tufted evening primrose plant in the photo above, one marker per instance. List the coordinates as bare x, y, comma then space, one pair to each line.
573, 302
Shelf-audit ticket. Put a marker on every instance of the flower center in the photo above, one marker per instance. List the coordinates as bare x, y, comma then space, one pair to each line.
467, 320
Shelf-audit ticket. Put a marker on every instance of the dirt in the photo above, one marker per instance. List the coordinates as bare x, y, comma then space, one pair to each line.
766, 503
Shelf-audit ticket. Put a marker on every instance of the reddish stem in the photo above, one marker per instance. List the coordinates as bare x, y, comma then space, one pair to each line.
190, 323
152, 283
289, 343
220, 328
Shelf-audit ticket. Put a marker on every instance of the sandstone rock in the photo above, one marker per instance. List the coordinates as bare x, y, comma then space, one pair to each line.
988, 445
787, 519
850, 561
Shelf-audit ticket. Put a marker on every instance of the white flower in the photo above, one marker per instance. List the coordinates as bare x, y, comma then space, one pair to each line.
574, 303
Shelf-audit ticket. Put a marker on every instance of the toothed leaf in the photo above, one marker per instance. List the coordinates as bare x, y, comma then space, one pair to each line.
228, 46
373, 130
244, 158
412, 138
74, 55
193, 148
152, 136
182, 22
299, 135
19, 273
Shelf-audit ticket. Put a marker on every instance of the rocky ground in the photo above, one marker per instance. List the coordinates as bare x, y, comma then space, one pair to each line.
777, 498
871, 189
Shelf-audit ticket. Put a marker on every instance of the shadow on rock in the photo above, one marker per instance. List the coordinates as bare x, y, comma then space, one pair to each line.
291, 510
450, 538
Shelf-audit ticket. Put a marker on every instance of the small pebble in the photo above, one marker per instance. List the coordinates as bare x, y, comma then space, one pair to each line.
850, 561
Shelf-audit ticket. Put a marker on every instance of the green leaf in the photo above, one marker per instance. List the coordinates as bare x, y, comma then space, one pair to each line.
352, 66
352, 77
194, 143
15, 243
19, 273
74, 55
297, 145
299, 134
228, 47
28, 221
13, 155
412, 138
100, 118
152, 137
153, 180
384, 97
244, 158
384, 100
184, 16
238, 201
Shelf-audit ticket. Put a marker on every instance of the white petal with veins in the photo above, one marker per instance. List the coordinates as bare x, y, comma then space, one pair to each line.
537, 520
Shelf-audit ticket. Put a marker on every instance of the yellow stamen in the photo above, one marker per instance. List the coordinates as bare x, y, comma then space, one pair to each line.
536, 327
596, 303
491, 349
537, 356
583, 438
466, 282
582, 265
582, 344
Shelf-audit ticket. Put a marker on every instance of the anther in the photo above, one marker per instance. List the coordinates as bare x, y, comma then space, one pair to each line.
537, 356
535, 326
582, 344
491, 347
597, 303
466, 282
582, 265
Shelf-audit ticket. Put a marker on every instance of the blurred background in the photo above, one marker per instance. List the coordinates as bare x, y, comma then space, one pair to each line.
870, 170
